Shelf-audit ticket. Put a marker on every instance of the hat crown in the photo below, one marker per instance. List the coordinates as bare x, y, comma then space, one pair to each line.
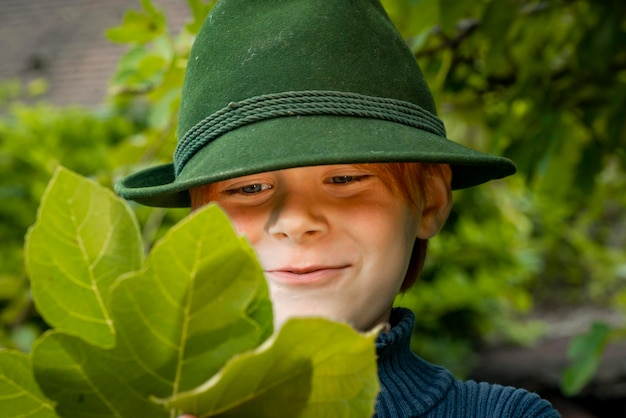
254, 48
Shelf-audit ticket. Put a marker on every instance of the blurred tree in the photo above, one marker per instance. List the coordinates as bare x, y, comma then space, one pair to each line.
544, 83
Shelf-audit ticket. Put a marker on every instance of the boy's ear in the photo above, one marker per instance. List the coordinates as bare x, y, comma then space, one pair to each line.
436, 203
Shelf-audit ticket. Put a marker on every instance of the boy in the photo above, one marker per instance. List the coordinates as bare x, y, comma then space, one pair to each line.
310, 124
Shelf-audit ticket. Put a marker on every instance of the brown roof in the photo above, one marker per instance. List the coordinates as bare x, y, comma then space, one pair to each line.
63, 41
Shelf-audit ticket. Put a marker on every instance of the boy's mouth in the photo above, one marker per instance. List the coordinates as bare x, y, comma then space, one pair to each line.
299, 275
307, 269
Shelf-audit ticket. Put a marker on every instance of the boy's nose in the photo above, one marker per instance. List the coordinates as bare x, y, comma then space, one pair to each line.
298, 218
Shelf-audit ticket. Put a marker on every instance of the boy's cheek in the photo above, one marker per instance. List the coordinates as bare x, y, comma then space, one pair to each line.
242, 222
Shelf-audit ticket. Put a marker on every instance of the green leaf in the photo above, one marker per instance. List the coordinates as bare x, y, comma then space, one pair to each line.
589, 165
586, 352
138, 69
162, 112
199, 303
86, 381
84, 238
186, 312
19, 394
138, 27
498, 19
199, 12
313, 368
450, 12
178, 321
414, 17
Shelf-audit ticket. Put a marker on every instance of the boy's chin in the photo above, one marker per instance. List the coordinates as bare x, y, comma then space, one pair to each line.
359, 324
282, 316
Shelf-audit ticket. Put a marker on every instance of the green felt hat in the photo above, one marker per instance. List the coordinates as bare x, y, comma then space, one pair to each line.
274, 84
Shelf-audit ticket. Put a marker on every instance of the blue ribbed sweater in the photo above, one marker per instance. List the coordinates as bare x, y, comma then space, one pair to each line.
412, 387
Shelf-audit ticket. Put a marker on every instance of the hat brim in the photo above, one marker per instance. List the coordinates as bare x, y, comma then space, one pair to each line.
289, 142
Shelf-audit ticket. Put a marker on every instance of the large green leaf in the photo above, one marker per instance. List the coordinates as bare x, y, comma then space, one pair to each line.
178, 321
199, 303
192, 300
312, 368
84, 238
19, 394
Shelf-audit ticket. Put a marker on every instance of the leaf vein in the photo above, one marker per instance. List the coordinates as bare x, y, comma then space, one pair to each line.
85, 254
148, 324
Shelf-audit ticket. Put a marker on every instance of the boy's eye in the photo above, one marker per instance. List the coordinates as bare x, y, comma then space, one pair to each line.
346, 179
250, 189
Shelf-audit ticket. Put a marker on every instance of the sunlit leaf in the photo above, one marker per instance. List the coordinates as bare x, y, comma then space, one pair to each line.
84, 238
185, 314
313, 368
178, 321
19, 394
189, 327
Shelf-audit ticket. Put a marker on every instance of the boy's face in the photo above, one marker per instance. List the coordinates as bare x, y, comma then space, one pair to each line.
333, 240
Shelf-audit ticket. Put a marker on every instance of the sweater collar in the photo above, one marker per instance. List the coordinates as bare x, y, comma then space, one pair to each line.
402, 322
410, 386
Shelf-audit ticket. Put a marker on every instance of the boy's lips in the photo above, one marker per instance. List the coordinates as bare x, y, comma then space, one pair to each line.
308, 274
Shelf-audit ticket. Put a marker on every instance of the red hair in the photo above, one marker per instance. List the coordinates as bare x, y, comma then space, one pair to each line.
411, 181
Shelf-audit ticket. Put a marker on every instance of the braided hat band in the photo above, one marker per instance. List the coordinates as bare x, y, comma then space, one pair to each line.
301, 103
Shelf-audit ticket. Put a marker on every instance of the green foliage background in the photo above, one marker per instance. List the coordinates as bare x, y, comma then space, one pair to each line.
541, 82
